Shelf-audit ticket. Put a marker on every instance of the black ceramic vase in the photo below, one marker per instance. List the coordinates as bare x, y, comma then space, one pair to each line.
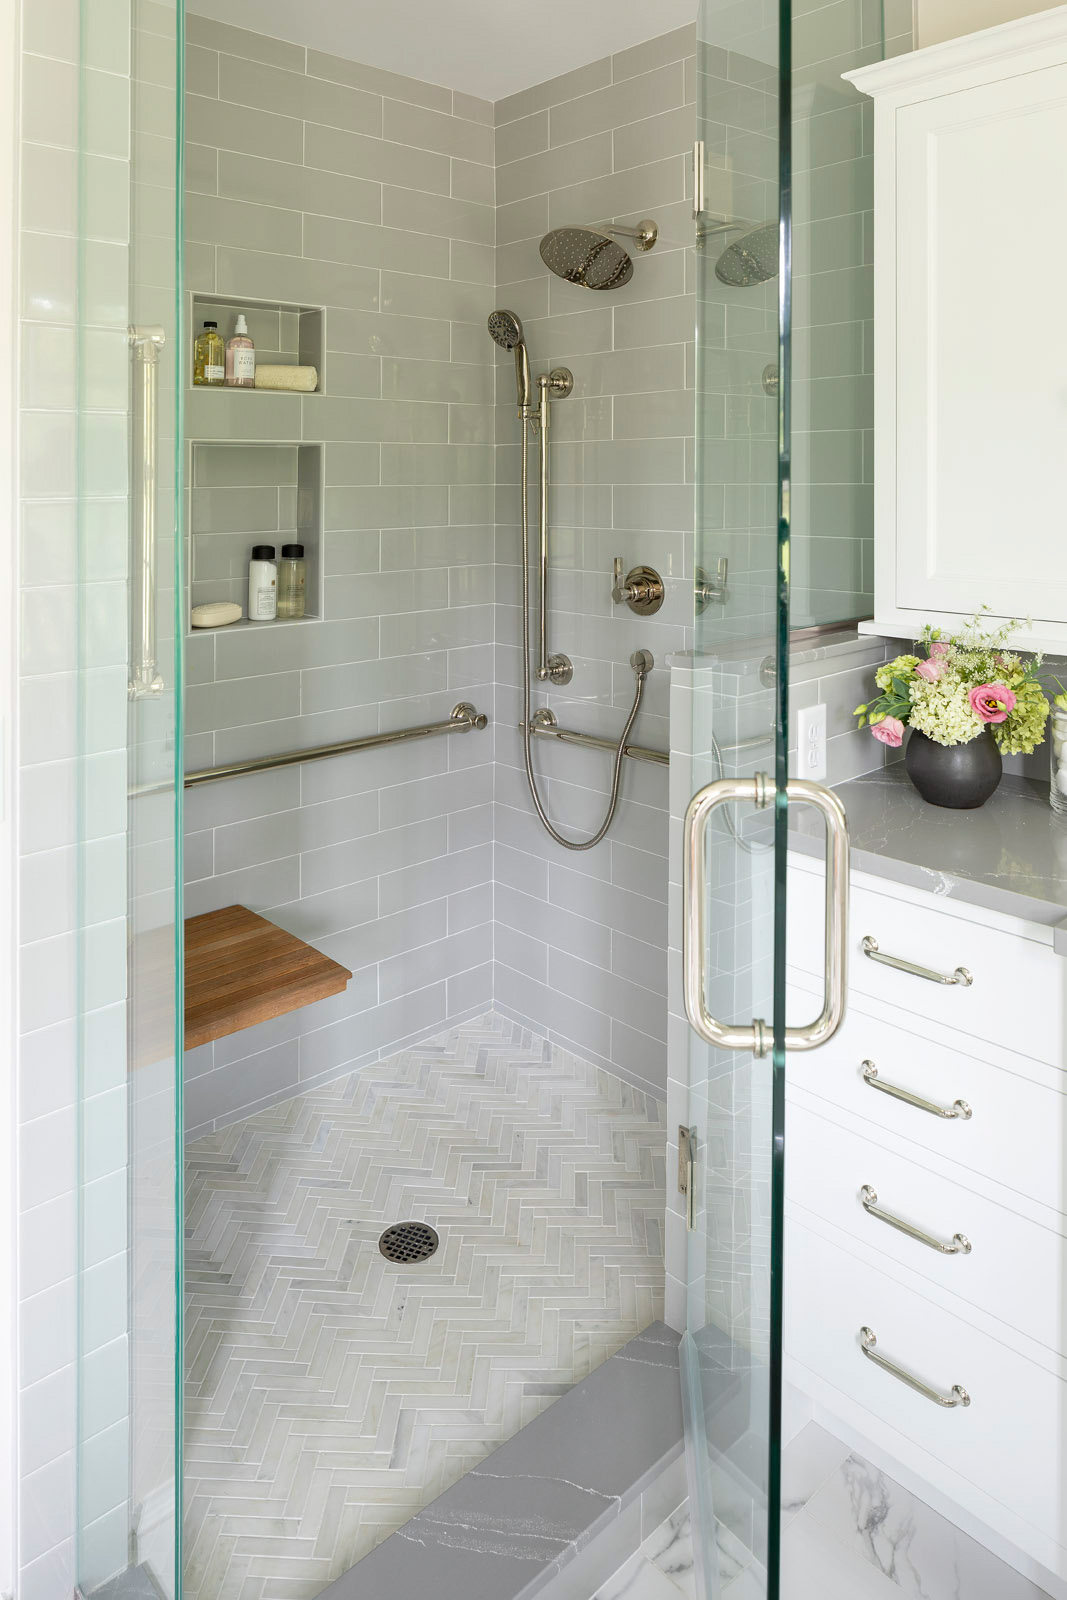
960, 776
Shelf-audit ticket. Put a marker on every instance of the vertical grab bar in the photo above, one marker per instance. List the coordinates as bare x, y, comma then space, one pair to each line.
145, 344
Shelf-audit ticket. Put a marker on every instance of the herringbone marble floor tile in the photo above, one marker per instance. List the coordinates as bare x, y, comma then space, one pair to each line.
331, 1394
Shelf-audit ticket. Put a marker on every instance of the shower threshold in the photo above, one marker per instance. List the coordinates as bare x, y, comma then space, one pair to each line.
509, 1526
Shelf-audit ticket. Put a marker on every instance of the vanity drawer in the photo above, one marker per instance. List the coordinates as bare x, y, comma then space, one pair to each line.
1015, 997
1014, 1270
1015, 1134
1008, 1443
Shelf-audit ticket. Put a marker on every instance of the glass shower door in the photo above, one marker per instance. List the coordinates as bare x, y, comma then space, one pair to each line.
128, 1035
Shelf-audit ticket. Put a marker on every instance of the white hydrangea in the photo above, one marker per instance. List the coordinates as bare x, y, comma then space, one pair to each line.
942, 711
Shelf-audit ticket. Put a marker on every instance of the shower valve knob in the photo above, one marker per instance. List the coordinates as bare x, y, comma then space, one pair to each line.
641, 589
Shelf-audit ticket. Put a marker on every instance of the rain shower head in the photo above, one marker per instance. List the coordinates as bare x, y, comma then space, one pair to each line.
751, 260
506, 329
592, 258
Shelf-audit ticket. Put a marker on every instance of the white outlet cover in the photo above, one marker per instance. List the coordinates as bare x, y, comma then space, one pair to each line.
811, 743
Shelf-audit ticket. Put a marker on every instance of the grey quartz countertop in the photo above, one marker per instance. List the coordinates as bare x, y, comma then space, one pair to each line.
1009, 856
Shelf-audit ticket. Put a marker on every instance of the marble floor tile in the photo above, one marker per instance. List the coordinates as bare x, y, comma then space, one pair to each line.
924, 1555
639, 1579
332, 1394
808, 1460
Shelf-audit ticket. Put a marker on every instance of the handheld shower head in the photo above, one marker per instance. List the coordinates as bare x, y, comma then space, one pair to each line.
506, 329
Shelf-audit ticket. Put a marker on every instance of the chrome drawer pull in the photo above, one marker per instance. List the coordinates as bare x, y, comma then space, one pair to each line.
958, 1108
871, 950
959, 1245
958, 1397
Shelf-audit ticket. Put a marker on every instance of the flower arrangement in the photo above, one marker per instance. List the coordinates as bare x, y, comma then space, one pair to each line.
966, 682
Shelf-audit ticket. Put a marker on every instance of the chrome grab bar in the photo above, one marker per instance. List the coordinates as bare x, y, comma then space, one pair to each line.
872, 952
958, 1395
959, 1244
958, 1108
543, 724
145, 343
754, 1036
464, 719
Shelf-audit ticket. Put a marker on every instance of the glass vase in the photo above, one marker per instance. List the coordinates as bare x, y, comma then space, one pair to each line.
1057, 744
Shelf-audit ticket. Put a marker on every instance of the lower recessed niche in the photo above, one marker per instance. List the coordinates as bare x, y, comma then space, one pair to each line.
247, 494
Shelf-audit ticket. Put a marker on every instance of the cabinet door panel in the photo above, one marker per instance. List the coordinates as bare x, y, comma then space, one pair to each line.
981, 413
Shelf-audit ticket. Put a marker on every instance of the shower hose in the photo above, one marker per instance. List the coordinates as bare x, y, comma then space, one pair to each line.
637, 661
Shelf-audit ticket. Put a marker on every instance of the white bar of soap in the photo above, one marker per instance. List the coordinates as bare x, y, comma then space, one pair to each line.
215, 614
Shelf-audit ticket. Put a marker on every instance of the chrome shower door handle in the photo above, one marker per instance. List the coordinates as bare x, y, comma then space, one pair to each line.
145, 345
799, 791
755, 1036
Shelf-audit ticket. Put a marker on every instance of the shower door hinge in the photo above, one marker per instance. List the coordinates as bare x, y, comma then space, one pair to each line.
698, 178
687, 1140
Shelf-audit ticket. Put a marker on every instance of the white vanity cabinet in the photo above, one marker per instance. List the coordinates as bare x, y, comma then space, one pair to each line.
943, 1106
970, 340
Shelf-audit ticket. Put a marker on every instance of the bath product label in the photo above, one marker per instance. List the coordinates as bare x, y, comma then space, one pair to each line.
265, 604
244, 365
214, 374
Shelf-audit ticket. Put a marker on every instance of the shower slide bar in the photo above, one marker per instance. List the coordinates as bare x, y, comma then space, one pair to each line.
543, 724
465, 718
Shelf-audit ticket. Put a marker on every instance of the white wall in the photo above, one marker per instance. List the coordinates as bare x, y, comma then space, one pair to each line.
937, 20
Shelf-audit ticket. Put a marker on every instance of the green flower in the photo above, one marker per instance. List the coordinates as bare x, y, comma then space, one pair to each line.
902, 667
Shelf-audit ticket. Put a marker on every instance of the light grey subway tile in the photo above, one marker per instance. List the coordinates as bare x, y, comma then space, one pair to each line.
380, 594
473, 180
652, 53
201, 169
354, 421
584, 161
654, 138
604, 109
524, 137
335, 239
295, 94
522, 219
423, 129
355, 377
375, 160
471, 108
426, 881
567, 86
298, 188
244, 225
435, 214
424, 963
379, 334
233, 127
412, 294
433, 380
378, 81
201, 71
212, 35
257, 275
631, 194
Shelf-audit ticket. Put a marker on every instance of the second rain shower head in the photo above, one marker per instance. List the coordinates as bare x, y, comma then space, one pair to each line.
506, 329
591, 257
751, 260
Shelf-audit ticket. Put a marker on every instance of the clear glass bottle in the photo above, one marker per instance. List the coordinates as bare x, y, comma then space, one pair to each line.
292, 581
240, 357
209, 357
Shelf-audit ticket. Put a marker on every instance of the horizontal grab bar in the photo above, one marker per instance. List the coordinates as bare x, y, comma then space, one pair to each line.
958, 1108
872, 952
464, 718
636, 752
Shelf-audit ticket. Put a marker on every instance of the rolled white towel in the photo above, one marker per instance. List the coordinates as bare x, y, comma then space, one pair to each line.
301, 379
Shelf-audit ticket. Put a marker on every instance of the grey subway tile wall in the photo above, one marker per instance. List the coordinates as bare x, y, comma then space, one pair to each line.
409, 211
321, 182
581, 938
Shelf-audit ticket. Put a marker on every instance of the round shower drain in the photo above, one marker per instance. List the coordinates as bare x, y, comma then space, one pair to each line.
408, 1242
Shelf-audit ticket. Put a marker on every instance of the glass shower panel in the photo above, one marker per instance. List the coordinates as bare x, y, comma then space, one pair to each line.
832, 577
738, 726
129, 914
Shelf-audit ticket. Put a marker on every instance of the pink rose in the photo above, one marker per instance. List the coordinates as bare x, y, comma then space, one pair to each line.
930, 670
938, 649
991, 701
890, 731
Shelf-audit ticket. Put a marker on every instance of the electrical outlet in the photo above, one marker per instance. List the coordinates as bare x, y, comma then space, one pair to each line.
811, 742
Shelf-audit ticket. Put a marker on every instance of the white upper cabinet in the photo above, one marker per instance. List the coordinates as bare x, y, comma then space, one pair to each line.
970, 341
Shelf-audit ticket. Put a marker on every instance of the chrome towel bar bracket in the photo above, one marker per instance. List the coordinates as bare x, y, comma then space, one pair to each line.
872, 952
958, 1108
957, 1396
959, 1244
